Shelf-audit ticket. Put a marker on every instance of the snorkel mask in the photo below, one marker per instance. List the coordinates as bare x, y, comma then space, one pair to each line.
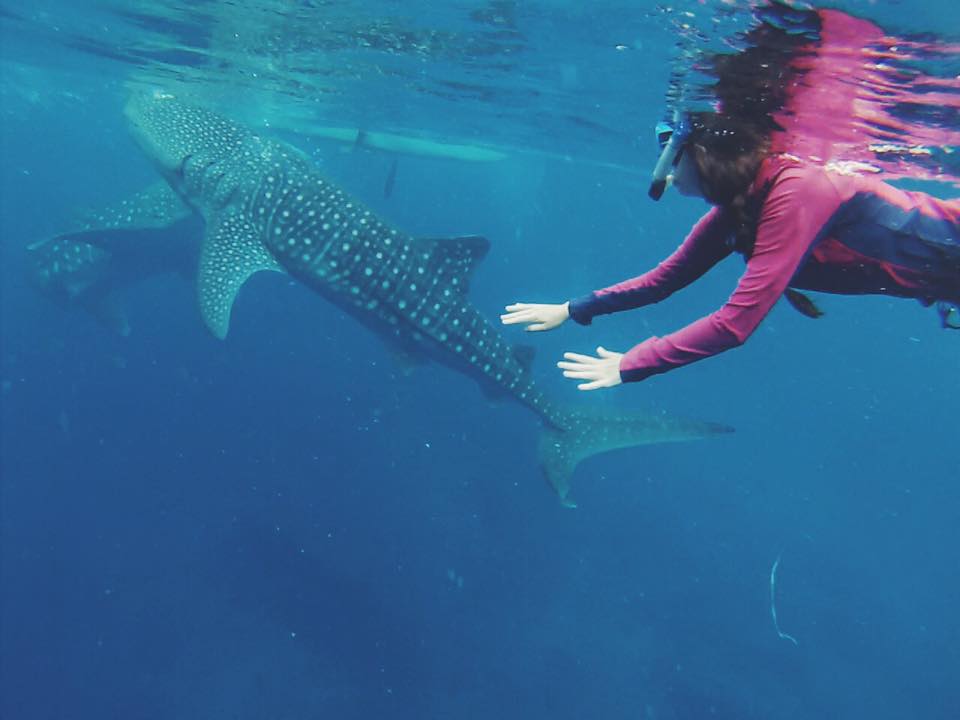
672, 138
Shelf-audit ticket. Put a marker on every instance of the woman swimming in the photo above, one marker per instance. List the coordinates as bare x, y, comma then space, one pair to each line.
798, 225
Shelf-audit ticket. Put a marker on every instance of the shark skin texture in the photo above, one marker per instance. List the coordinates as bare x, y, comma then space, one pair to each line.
265, 207
107, 250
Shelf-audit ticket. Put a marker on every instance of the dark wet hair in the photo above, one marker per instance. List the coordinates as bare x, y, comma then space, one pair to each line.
752, 85
727, 153
755, 81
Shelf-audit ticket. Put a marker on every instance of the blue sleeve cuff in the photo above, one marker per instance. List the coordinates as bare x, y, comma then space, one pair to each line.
582, 310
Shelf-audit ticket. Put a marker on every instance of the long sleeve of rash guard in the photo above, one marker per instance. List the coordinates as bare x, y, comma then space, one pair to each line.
703, 248
797, 208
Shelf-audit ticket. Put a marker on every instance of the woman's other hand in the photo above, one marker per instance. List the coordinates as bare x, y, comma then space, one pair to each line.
599, 372
536, 317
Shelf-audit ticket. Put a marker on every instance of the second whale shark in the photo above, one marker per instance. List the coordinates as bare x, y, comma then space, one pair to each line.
267, 207
111, 248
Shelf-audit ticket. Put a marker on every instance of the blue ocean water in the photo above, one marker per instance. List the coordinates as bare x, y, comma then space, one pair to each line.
289, 524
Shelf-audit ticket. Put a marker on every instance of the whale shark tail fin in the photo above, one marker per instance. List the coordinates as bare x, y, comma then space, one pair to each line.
591, 433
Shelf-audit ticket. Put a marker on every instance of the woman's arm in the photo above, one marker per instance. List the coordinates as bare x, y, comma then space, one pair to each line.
795, 215
703, 248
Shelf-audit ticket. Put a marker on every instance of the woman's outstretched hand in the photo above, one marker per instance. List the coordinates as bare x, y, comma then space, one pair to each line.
599, 372
537, 317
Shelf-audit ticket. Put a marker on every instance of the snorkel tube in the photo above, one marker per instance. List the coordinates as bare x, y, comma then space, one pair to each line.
672, 140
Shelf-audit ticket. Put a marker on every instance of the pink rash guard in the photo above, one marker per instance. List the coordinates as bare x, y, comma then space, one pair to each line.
817, 230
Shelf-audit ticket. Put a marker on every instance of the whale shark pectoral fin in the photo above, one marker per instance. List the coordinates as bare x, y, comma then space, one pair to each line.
155, 206
493, 394
458, 256
231, 252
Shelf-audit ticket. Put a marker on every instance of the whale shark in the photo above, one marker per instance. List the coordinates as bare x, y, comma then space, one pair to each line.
267, 207
107, 250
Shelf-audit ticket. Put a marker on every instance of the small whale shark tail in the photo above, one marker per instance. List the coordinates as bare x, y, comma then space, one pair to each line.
591, 433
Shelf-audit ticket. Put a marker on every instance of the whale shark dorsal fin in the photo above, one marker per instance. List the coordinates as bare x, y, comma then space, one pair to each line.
461, 255
231, 252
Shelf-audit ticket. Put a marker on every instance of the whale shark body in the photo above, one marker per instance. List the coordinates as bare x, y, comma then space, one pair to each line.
266, 207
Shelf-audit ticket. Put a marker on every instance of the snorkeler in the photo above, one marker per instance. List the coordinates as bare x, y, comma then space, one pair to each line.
798, 225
